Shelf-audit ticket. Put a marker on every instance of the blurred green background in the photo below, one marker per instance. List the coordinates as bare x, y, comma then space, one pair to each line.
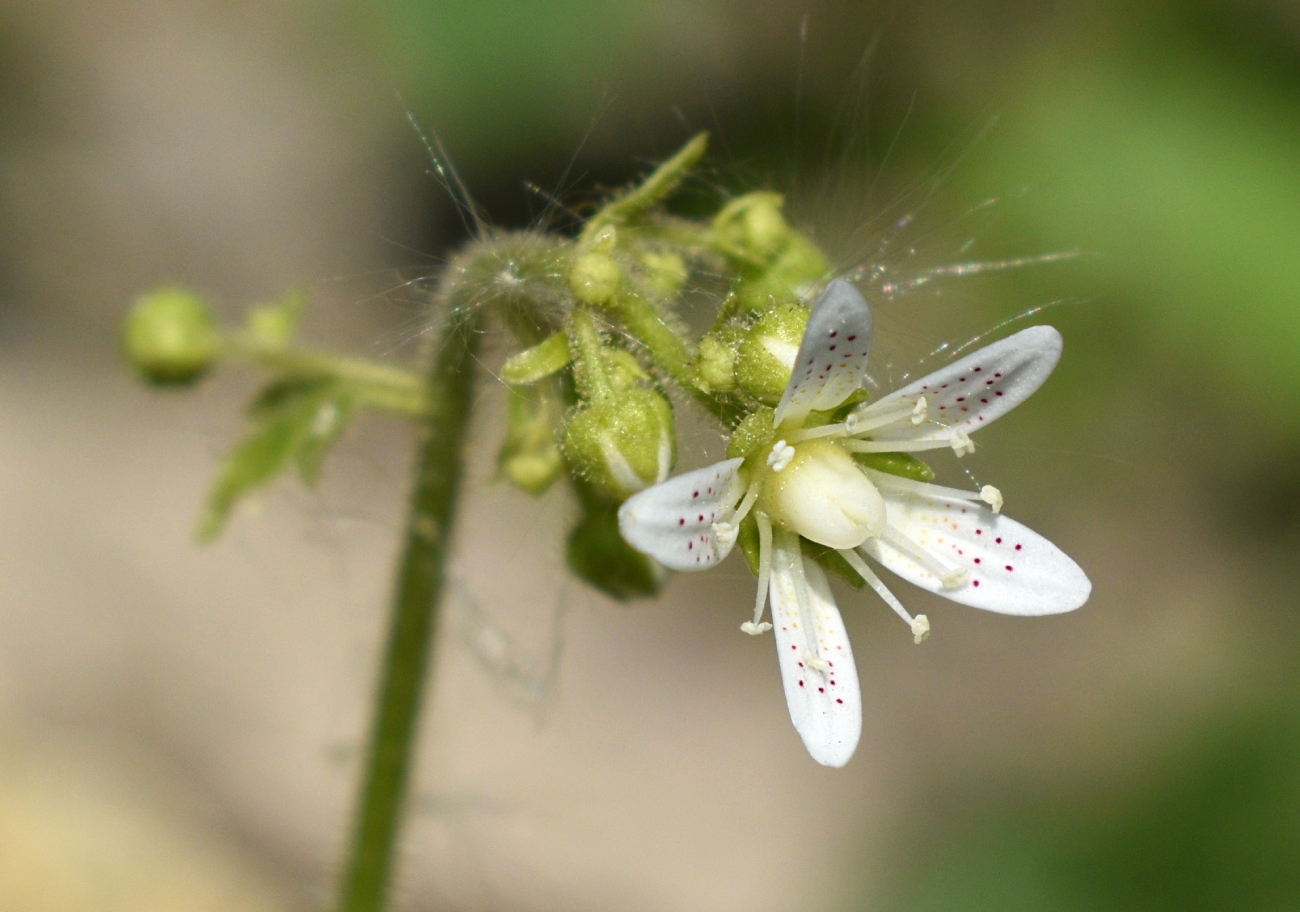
1142, 754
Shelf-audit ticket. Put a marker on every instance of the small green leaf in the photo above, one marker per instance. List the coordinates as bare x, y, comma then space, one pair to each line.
290, 421
598, 554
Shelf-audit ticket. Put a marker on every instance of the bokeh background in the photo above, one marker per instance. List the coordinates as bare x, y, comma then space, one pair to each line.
179, 726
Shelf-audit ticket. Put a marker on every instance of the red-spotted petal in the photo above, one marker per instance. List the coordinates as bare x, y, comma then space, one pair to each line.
673, 521
832, 358
979, 388
825, 704
1012, 569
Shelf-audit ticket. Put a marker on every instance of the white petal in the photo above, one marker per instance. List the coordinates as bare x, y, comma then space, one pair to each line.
979, 388
673, 521
825, 706
833, 355
1013, 569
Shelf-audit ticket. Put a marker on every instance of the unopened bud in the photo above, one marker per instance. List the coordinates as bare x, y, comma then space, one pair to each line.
715, 368
594, 278
622, 444
170, 336
529, 458
768, 352
667, 272
753, 226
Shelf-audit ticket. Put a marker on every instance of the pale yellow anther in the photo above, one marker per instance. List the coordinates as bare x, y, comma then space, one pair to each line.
724, 533
961, 443
920, 629
921, 411
814, 663
992, 496
753, 629
780, 456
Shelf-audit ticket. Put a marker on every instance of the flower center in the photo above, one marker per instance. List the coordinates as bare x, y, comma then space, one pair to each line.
820, 493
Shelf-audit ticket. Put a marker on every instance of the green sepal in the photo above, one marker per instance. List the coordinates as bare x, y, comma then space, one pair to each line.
540, 361
752, 433
598, 554
830, 560
291, 422
748, 541
904, 465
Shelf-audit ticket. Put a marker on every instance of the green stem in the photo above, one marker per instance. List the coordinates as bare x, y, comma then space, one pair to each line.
381, 386
588, 359
415, 607
651, 191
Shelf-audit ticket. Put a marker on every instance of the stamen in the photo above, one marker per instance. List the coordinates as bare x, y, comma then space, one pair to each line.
814, 663
951, 577
764, 567
877, 416
860, 566
895, 483
895, 446
790, 546
848, 426
992, 496
780, 456
753, 629
921, 412
959, 440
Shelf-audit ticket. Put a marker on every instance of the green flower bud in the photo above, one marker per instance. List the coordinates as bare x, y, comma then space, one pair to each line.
274, 324
667, 272
170, 336
529, 458
622, 369
623, 443
752, 227
595, 278
715, 368
768, 353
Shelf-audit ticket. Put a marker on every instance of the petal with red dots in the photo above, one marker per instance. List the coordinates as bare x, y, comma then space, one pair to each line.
832, 358
979, 388
673, 521
1013, 569
826, 704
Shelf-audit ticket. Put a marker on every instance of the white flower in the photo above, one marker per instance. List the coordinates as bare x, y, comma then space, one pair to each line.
806, 484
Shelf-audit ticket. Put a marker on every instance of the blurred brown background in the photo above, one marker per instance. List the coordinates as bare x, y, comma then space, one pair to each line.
179, 725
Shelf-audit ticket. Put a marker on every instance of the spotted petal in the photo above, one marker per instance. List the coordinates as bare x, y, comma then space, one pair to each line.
979, 388
832, 358
1013, 569
673, 521
825, 705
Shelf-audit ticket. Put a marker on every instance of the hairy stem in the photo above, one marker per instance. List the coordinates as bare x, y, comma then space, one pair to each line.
414, 619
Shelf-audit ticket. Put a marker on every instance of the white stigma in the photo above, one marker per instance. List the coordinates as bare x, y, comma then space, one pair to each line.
753, 629
960, 442
920, 629
992, 496
921, 412
780, 456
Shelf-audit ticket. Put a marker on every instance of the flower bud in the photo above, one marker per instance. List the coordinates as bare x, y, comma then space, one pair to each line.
170, 336
622, 444
594, 278
753, 227
768, 352
715, 367
821, 494
529, 458
667, 272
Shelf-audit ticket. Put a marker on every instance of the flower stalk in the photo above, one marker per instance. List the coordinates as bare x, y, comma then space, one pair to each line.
416, 601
